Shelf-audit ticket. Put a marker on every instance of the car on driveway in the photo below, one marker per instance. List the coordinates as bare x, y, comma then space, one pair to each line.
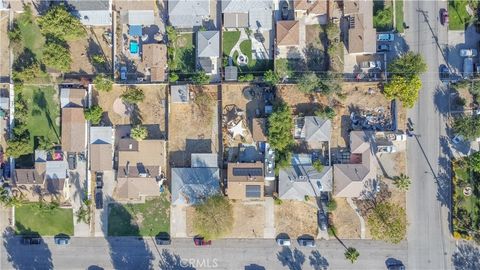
62, 240
284, 242
468, 52
385, 37
72, 161
123, 73
444, 73
383, 48
443, 16
31, 240
457, 139
200, 241
306, 242
98, 198
99, 179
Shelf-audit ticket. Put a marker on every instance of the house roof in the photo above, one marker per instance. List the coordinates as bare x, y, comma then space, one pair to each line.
234, 20
188, 13
73, 130
245, 172
154, 56
101, 135
260, 13
288, 33
259, 129
27, 177
204, 160
56, 169
363, 37
146, 152
141, 17
312, 6
95, 13
101, 156
350, 178
72, 97
192, 185
83, 5
179, 93
134, 188
317, 129
208, 44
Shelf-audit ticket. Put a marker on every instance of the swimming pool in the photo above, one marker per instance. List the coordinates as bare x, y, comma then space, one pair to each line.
133, 47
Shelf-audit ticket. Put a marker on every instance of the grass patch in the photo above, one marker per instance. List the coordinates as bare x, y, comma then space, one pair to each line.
230, 38
32, 39
458, 16
28, 219
246, 48
382, 16
399, 16
186, 54
147, 219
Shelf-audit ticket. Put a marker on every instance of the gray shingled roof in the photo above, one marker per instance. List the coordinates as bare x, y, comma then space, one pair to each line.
188, 13
91, 12
260, 12
208, 44
317, 129
192, 185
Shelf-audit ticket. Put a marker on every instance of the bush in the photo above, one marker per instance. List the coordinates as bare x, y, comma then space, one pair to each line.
17, 148
317, 165
133, 95
467, 126
139, 133
308, 82
14, 34
331, 205
213, 217
94, 114
200, 78
306, 198
98, 59
246, 78
173, 77
277, 201
326, 113
271, 77
103, 83
60, 23
57, 56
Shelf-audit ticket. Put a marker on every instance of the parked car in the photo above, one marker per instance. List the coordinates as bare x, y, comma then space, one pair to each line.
123, 73
72, 161
31, 240
99, 179
385, 37
443, 16
322, 220
284, 10
467, 67
163, 239
306, 242
62, 240
444, 72
383, 48
200, 241
98, 198
468, 52
284, 242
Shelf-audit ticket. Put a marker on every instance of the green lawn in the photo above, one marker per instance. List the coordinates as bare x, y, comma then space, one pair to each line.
382, 16
230, 38
246, 48
399, 15
185, 54
148, 219
32, 39
28, 219
458, 15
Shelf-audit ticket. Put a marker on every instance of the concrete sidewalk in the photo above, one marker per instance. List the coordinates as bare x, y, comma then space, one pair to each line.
269, 229
178, 221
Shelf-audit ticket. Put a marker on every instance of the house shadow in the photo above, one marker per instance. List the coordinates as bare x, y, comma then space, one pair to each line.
466, 257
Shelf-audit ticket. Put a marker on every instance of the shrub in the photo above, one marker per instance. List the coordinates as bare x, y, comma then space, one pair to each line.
246, 78
57, 56
94, 114
326, 113
331, 205
200, 78
277, 201
213, 217
133, 95
98, 59
317, 165
173, 77
139, 133
103, 83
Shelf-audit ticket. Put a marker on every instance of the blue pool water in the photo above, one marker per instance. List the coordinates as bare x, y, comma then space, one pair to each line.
133, 47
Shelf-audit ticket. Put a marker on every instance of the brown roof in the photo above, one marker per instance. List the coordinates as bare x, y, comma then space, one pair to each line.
154, 56
27, 177
73, 130
312, 6
147, 152
76, 96
245, 172
101, 156
288, 33
259, 132
135, 188
363, 37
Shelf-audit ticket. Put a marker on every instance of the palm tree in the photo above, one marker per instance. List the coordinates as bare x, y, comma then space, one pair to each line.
402, 182
351, 254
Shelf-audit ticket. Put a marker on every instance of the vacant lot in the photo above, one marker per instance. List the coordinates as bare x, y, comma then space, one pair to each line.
151, 111
193, 126
345, 220
30, 219
300, 102
296, 218
144, 219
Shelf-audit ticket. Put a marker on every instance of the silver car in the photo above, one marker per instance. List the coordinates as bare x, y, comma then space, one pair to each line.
306, 242
284, 242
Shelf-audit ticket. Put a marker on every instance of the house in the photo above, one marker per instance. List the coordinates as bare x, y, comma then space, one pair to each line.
91, 13
139, 169
288, 39
208, 51
179, 93
313, 130
257, 15
101, 148
154, 56
202, 180
245, 181
74, 128
362, 37
350, 178
311, 10
72, 97
302, 179
187, 14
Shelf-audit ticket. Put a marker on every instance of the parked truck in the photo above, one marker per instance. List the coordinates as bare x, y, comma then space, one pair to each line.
467, 67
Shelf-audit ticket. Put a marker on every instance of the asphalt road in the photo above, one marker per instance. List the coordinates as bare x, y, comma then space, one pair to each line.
131, 253
429, 242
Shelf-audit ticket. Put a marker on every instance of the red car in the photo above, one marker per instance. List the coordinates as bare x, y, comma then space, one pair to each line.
443, 16
200, 241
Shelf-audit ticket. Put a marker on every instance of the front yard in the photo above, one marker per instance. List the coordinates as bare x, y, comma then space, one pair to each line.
458, 15
383, 15
296, 218
144, 219
29, 218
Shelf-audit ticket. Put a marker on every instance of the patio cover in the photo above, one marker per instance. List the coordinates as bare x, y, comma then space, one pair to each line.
140, 17
135, 30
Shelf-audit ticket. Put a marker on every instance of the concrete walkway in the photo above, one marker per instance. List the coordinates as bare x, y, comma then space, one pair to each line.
178, 221
269, 227
362, 221
236, 47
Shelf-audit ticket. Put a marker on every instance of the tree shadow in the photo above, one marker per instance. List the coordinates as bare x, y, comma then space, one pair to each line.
317, 261
26, 256
171, 261
315, 58
254, 266
291, 259
466, 257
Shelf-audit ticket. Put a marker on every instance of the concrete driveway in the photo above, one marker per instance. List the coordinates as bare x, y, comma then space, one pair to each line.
78, 187
100, 218
458, 40
178, 221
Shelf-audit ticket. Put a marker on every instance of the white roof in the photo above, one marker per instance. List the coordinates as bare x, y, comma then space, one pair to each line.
141, 17
101, 135
204, 160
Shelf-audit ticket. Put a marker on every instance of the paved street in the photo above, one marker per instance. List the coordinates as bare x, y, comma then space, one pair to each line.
429, 240
130, 253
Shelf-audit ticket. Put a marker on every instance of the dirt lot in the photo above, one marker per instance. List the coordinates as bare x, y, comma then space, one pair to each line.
300, 102
149, 112
84, 49
193, 126
345, 220
296, 218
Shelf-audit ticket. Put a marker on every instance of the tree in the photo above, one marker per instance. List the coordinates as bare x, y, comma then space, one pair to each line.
200, 78
271, 77
326, 112
17, 148
133, 95
317, 165
94, 114
98, 59
351, 254
408, 65
14, 34
57, 56
332, 30
26, 73
61, 24
402, 182
213, 217
44, 143
330, 82
474, 162
7, 200
406, 90
83, 214
467, 126
331, 205
246, 78
139, 133
103, 83
173, 77
282, 68
280, 126
308, 82
387, 222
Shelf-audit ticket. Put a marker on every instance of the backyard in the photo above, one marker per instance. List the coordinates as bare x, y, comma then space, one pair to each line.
458, 15
30, 219
185, 55
144, 219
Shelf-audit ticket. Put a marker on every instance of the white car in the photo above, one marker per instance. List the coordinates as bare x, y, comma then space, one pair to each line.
385, 37
468, 52
283, 242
